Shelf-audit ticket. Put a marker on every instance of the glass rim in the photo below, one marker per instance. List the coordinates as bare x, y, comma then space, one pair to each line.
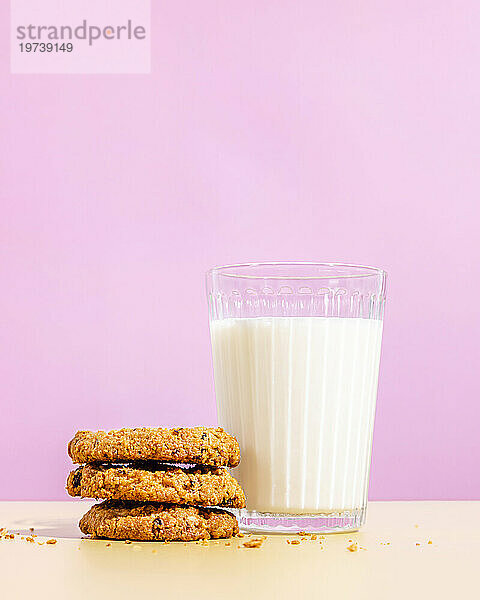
371, 271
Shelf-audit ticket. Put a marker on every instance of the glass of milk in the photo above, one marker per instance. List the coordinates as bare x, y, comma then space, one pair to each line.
296, 352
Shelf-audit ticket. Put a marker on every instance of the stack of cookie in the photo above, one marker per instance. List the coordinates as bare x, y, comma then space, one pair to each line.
146, 497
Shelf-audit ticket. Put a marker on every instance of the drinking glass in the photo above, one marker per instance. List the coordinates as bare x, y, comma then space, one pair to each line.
296, 352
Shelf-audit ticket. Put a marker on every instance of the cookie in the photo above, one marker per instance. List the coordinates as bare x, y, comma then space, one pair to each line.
122, 520
203, 486
188, 445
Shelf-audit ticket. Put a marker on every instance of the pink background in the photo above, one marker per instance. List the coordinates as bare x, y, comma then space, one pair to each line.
344, 131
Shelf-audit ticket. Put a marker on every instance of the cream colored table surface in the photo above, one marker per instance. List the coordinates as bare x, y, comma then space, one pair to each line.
391, 566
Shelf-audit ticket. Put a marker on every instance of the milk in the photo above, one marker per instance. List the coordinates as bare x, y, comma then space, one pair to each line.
299, 394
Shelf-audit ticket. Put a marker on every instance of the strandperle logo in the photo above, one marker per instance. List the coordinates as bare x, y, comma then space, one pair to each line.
82, 32
82, 37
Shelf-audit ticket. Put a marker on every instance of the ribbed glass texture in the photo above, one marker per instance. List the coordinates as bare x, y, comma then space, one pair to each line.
296, 350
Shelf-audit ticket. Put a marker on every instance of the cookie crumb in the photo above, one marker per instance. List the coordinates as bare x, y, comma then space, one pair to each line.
228, 544
29, 538
107, 545
296, 542
240, 535
253, 543
128, 542
353, 547
417, 544
429, 542
40, 543
52, 541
